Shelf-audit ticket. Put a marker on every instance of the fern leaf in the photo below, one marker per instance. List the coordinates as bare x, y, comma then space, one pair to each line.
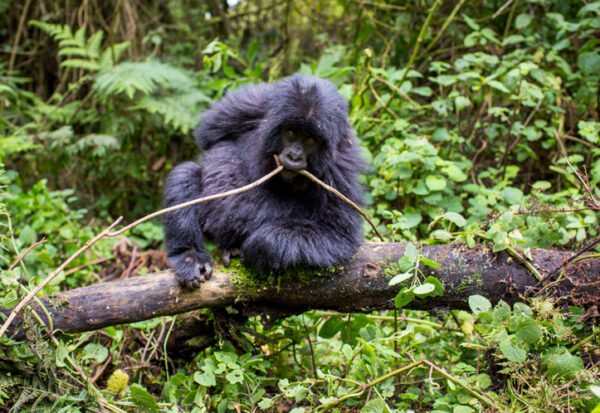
93, 44
106, 60
98, 144
178, 110
80, 35
54, 30
71, 43
81, 64
144, 77
72, 51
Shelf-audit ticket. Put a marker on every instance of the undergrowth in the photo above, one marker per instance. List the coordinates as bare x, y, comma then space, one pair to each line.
481, 125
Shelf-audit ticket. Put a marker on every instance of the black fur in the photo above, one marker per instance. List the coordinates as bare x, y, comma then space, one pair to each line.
285, 222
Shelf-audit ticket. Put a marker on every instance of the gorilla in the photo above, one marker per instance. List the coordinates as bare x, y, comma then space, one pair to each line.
288, 221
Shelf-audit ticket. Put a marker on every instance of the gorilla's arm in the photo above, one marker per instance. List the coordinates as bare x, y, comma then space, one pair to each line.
288, 242
183, 231
238, 112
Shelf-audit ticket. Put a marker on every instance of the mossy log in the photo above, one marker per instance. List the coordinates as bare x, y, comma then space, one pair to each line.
361, 285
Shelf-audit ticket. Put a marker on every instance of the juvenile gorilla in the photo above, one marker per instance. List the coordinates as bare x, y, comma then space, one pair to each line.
287, 221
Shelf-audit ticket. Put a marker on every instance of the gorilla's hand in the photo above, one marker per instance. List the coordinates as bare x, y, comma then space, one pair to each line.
192, 268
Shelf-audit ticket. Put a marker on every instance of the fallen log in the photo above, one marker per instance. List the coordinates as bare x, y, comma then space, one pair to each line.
361, 285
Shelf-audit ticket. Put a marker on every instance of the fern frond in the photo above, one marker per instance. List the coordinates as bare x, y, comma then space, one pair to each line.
56, 31
177, 111
76, 45
72, 51
93, 44
106, 60
80, 35
144, 77
81, 64
99, 145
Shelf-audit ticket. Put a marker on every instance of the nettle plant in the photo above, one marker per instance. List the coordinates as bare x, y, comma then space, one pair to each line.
534, 346
410, 276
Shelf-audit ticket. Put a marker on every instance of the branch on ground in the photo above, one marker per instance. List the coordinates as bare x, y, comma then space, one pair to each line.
362, 285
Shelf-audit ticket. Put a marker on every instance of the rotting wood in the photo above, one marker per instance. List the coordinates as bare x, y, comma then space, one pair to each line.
361, 285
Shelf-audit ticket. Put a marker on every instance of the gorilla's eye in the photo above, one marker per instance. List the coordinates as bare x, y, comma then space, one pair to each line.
310, 141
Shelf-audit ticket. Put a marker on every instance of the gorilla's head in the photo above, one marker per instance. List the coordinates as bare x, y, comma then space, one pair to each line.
306, 124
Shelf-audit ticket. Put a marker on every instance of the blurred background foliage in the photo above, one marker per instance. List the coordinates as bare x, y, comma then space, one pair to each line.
467, 111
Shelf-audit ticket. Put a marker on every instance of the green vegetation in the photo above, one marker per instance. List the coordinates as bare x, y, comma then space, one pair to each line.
481, 123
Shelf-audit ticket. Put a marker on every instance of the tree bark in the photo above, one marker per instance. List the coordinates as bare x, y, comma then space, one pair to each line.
361, 285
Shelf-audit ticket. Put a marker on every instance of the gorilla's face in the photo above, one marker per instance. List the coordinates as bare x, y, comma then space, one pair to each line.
296, 148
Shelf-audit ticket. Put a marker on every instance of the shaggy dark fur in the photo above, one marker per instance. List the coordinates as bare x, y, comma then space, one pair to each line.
286, 222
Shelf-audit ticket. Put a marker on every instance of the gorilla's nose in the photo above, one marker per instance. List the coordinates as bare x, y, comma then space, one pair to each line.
295, 155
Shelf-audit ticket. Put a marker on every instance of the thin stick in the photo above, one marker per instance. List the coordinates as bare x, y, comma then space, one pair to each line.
31, 247
341, 196
198, 201
566, 156
50, 277
445, 25
419, 41
11, 62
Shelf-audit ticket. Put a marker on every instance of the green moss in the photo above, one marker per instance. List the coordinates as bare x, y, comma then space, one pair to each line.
467, 283
390, 269
250, 281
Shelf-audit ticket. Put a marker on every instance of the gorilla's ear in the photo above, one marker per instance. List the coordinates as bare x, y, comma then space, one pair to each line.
235, 114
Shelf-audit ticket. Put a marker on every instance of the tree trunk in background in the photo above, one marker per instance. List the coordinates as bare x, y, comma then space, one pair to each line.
362, 285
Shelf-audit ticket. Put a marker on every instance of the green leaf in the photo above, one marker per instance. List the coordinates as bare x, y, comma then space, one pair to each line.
454, 173
406, 264
455, 218
441, 235
520, 308
375, 406
45, 257
331, 327
9, 300
206, 379
564, 364
424, 289
141, 398
440, 134
497, 85
411, 252
411, 218
96, 352
479, 304
499, 246
61, 354
484, 381
523, 21
399, 278
512, 352
429, 263
435, 182
235, 376
471, 23
405, 296
462, 409
252, 49
589, 63
512, 195
501, 312
528, 331
439, 288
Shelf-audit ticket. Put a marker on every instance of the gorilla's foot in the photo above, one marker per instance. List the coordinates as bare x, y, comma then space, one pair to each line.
191, 268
